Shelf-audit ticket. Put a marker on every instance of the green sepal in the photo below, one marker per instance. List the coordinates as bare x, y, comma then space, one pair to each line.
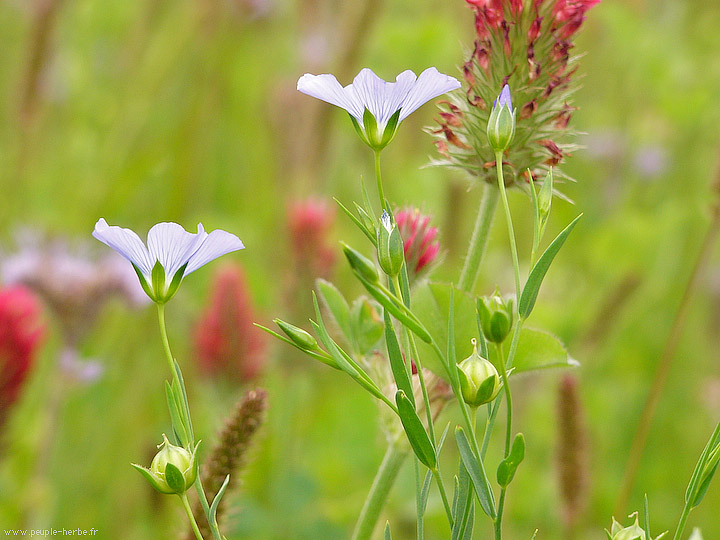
158, 282
371, 130
143, 283
508, 466
390, 129
537, 274
415, 431
485, 391
175, 479
397, 365
154, 480
175, 283
477, 474
359, 130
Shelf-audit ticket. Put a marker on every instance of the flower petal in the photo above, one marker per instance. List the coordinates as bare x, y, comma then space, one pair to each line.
173, 246
327, 88
430, 84
217, 243
126, 243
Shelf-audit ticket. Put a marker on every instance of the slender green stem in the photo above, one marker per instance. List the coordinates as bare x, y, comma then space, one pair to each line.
508, 395
683, 520
419, 510
191, 517
479, 239
378, 177
176, 380
508, 437
375, 501
508, 218
165, 341
443, 495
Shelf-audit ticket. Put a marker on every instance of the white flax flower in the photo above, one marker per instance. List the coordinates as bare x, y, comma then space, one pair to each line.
377, 107
171, 253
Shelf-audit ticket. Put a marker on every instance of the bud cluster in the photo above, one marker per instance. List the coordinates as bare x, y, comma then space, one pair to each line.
526, 45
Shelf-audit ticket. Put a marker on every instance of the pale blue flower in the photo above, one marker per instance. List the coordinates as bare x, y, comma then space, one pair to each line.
388, 103
170, 255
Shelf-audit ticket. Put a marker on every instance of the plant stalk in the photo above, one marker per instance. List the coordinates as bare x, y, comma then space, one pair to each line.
479, 239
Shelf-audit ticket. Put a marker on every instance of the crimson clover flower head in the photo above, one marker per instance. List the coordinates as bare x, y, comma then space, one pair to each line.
528, 46
377, 107
171, 253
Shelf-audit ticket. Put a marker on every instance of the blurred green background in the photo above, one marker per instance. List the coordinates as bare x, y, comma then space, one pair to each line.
187, 111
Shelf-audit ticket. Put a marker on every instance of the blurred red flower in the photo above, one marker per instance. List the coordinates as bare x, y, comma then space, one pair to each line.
226, 341
309, 222
21, 332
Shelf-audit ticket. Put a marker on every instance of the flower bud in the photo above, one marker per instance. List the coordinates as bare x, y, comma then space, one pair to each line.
633, 532
361, 264
479, 380
173, 469
298, 336
501, 124
496, 316
390, 246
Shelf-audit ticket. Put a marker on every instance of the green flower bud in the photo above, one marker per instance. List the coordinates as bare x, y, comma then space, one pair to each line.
496, 316
390, 246
633, 532
361, 264
173, 469
479, 380
298, 336
501, 124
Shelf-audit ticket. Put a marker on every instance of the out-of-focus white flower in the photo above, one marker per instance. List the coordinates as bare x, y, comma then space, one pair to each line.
72, 281
171, 253
377, 107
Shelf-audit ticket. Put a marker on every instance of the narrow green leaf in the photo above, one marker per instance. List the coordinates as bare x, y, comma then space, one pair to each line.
508, 466
396, 309
388, 536
415, 431
184, 406
337, 305
397, 364
470, 524
451, 361
695, 479
462, 504
368, 206
646, 519
477, 474
218, 497
425, 491
537, 274
177, 424
356, 221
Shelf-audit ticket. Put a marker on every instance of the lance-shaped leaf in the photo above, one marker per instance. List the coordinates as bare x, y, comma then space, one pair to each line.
462, 504
477, 474
537, 274
336, 303
538, 350
700, 479
359, 222
397, 364
415, 431
508, 466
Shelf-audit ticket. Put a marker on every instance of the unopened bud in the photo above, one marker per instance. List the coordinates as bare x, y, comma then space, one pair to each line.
298, 336
479, 380
390, 246
496, 316
173, 469
501, 124
361, 264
